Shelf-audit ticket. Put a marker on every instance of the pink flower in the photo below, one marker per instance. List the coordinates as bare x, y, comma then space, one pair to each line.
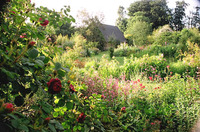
140, 84
123, 109
134, 82
152, 123
156, 75
8, 107
168, 66
21, 36
150, 78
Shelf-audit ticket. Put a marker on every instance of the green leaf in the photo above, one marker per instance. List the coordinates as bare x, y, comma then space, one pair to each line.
8, 73
55, 114
57, 65
35, 107
13, 116
29, 63
46, 109
23, 127
41, 58
39, 63
53, 121
41, 35
34, 87
46, 60
15, 123
52, 127
61, 102
66, 69
69, 105
61, 73
79, 127
33, 53
87, 129
59, 126
75, 128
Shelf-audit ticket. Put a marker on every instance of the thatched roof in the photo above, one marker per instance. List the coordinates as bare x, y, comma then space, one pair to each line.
111, 31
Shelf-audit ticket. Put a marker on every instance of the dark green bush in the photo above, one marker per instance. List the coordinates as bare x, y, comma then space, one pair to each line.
169, 51
111, 51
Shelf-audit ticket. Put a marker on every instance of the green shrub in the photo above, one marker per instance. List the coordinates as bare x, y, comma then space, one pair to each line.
192, 57
148, 65
111, 51
88, 54
191, 35
31, 78
162, 36
182, 68
94, 51
170, 51
125, 50
65, 42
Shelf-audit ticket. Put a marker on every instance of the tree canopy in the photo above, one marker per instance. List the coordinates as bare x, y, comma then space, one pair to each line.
138, 28
178, 15
66, 29
156, 10
121, 22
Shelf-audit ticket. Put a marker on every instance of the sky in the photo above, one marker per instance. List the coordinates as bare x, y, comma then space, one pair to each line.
106, 7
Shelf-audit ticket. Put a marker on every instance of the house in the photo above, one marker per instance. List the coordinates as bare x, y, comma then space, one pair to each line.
110, 31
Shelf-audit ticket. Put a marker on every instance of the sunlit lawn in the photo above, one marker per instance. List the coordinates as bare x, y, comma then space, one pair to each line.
106, 54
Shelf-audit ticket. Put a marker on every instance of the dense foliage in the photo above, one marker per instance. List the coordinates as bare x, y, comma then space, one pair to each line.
178, 16
156, 10
138, 28
52, 82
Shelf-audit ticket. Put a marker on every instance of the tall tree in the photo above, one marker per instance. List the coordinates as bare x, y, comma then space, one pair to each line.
195, 21
90, 28
178, 16
138, 28
156, 10
66, 29
121, 22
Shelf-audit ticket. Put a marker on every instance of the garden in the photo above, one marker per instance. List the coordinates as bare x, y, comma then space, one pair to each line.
55, 83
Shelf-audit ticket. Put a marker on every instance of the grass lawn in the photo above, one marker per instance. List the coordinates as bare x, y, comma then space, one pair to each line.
106, 53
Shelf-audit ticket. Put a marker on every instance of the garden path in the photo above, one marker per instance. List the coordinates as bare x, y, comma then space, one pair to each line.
196, 128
